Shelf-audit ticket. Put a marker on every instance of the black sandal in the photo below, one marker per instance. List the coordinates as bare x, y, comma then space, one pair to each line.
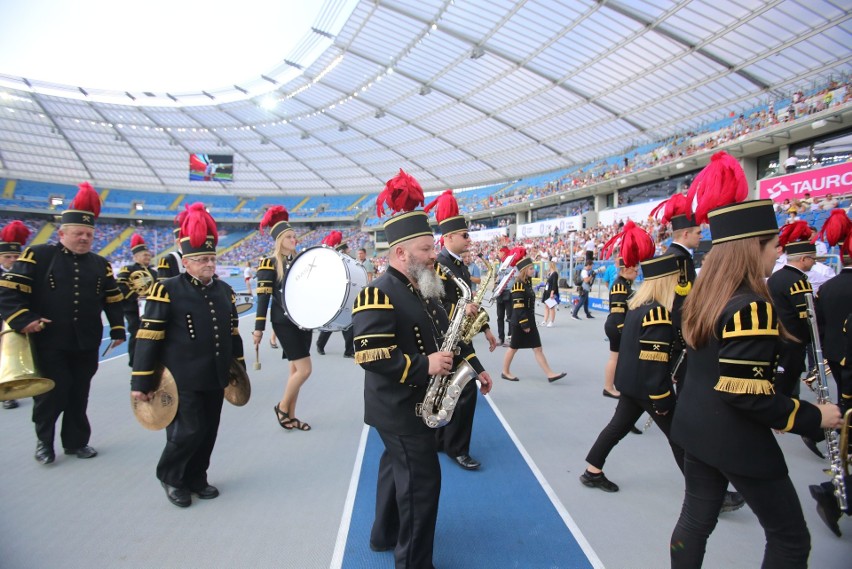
297, 424
283, 418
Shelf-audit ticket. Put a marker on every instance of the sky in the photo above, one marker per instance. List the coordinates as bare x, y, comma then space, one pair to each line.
152, 45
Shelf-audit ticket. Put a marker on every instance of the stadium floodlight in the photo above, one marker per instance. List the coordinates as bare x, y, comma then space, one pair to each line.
269, 103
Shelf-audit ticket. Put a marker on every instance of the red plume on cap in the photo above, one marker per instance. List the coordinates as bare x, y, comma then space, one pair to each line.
722, 182
182, 215
197, 225
447, 206
87, 199
836, 228
15, 232
505, 250
792, 232
519, 253
272, 216
666, 210
333, 239
135, 240
634, 243
401, 193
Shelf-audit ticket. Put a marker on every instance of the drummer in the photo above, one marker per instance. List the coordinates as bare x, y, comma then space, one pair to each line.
296, 342
191, 328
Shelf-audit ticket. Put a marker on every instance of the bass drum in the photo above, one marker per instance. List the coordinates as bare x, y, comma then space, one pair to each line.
320, 289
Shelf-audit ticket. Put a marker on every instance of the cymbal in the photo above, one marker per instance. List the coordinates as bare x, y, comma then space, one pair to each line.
160, 411
238, 390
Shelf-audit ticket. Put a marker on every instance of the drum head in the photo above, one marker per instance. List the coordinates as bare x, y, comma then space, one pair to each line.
244, 302
238, 390
316, 287
160, 411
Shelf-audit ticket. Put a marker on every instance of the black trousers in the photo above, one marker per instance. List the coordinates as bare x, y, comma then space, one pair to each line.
407, 493
504, 313
72, 372
773, 501
190, 439
454, 439
792, 359
132, 318
583, 302
348, 341
627, 412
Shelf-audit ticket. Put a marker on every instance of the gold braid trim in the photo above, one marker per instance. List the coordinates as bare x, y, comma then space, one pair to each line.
365, 356
264, 290
617, 310
17, 286
743, 386
653, 356
118, 297
150, 335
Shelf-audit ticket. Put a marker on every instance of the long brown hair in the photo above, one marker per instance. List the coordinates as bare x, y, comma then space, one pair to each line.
727, 268
280, 255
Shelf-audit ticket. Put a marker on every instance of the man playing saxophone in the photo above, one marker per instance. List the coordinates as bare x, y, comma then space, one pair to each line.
454, 439
398, 324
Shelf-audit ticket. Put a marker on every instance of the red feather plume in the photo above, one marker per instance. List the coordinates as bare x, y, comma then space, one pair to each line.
272, 216
87, 199
333, 239
519, 253
401, 193
667, 209
198, 224
720, 183
135, 240
792, 232
15, 232
181, 216
836, 228
634, 244
447, 206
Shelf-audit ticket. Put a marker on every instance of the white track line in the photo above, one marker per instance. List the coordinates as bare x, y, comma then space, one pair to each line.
349, 505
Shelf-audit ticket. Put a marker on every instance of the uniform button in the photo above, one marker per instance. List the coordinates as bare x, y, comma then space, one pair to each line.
214, 319
76, 302
217, 354
217, 344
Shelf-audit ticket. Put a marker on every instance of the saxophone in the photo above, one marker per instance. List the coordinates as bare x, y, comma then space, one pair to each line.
835, 458
473, 324
444, 391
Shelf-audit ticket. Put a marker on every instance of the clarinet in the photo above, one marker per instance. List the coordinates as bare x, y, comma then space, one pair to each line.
835, 462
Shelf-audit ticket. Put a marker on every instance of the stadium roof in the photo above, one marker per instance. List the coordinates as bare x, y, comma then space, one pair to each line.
458, 93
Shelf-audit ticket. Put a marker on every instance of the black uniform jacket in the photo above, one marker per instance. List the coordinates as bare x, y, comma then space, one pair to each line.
395, 330
644, 359
728, 406
523, 304
191, 329
835, 304
678, 250
170, 265
49, 281
452, 293
270, 290
788, 286
619, 293
130, 298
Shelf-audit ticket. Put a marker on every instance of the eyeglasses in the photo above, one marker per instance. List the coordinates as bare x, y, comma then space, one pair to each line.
202, 260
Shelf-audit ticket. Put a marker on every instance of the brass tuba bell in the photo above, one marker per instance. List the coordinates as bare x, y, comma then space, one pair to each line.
19, 377
140, 282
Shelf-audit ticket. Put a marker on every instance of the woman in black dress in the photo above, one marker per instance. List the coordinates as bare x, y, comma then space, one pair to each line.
550, 292
296, 343
522, 325
728, 406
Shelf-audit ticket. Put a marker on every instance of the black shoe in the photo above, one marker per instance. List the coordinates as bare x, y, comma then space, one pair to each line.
556, 377
350, 356
180, 497
635, 430
590, 317
82, 452
10, 404
733, 501
608, 394
575, 317
598, 481
466, 462
826, 507
320, 351
507, 378
207, 492
811, 444
44, 453
380, 548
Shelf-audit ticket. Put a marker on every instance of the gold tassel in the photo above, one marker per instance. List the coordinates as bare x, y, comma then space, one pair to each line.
653, 356
150, 335
365, 356
683, 290
743, 386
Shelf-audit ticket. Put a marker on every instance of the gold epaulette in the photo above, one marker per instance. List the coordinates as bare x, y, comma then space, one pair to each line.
267, 264
158, 293
441, 271
655, 316
801, 287
518, 287
27, 256
163, 263
756, 319
371, 298
618, 288
109, 272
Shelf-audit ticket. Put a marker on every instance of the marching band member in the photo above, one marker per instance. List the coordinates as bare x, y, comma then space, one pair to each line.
190, 327
454, 439
139, 271
728, 406
57, 293
523, 327
170, 264
399, 323
12, 238
504, 299
333, 239
296, 343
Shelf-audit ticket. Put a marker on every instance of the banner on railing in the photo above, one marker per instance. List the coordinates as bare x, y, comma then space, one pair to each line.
542, 228
637, 212
488, 234
817, 182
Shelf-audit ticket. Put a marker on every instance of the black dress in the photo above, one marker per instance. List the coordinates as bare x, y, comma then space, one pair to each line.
296, 343
524, 330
